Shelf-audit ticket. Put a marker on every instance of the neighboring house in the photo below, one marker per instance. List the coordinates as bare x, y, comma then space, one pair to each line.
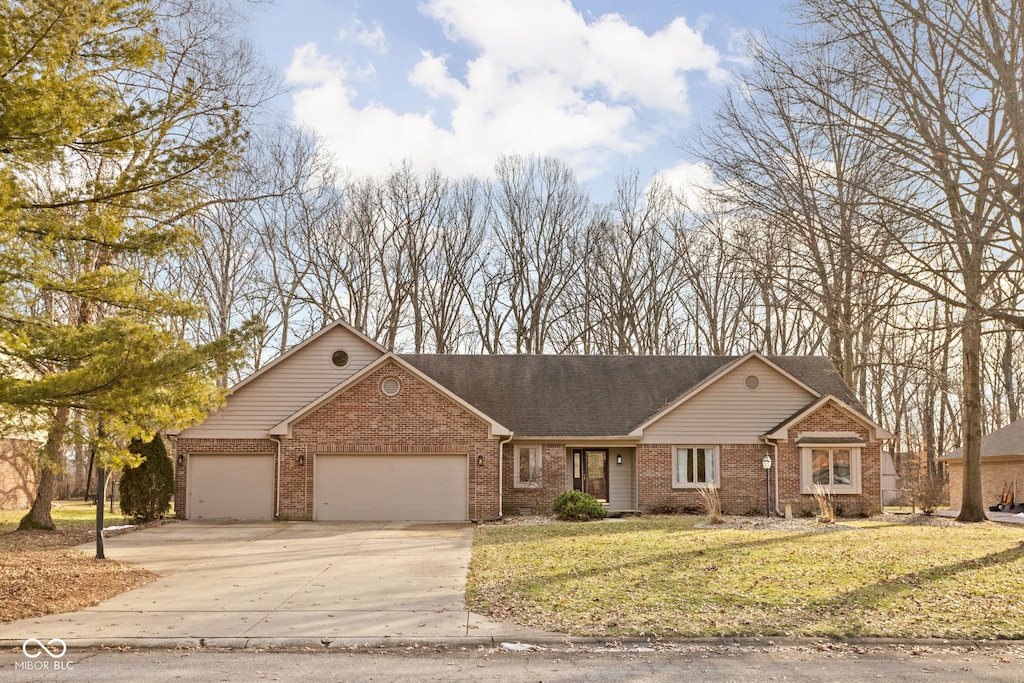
338, 428
17, 478
1002, 465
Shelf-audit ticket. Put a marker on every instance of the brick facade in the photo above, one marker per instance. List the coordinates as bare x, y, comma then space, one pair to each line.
996, 472
363, 420
421, 420
17, 476
830, 419
742, 486
536, 500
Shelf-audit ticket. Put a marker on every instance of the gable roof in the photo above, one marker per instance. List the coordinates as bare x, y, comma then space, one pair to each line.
283, 428
303, 344
596, 396
780, 431
1008, 440
711, 379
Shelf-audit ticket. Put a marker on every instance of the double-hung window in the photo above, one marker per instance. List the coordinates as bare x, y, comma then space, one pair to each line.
529, 467
694, 466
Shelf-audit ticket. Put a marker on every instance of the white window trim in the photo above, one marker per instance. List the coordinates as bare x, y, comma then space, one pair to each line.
806, 482
716, 483
519, 483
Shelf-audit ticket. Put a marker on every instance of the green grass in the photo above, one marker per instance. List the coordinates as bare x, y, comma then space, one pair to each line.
67, 514
663, 577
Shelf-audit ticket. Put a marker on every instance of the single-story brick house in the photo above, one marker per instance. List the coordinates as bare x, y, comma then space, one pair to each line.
1002, 465
339, 428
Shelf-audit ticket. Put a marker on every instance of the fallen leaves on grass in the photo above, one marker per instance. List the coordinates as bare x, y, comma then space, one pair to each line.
42, 573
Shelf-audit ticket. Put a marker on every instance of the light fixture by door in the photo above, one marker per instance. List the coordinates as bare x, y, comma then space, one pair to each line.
618, 459
480, 460
302, 459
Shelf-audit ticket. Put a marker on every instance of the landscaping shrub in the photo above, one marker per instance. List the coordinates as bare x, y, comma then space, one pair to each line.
146, 490
929, 493
577, 506
670, 508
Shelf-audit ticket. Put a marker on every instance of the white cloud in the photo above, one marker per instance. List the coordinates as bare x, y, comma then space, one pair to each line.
374, 40
689, 180
541, 81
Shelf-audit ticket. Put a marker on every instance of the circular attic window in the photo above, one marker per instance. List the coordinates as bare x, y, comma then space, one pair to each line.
390, 386
752, 382
340, 358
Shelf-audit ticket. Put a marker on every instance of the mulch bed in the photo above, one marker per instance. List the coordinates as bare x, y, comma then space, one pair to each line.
41, 572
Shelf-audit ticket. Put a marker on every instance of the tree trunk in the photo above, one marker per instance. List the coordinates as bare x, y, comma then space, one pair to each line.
39, 516
972, 509
1008, 379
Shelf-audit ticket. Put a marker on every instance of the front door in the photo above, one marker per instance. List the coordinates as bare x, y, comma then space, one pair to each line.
590, 472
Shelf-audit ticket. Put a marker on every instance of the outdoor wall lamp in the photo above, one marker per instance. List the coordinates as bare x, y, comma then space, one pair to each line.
480, 460
618, 459
766, 463
302, 459
181, 459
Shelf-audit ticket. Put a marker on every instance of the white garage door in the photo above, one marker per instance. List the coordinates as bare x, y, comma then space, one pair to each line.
426, 488
230, 487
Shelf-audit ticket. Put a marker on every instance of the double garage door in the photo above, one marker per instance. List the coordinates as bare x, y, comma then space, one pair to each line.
390, 487
346, 487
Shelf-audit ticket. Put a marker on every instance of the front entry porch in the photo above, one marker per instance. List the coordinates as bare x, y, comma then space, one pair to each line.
609, 474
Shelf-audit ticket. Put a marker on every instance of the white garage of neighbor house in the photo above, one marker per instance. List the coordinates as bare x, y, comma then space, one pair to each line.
339, 428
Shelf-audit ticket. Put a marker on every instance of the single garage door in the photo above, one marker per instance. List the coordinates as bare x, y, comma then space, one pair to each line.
426, 488
231, 487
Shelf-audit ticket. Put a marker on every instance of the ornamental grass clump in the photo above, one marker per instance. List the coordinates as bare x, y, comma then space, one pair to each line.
826, 506
712, 504
576, 506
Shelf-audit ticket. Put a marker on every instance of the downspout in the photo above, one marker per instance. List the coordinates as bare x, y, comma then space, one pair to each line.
277, 483
501, 475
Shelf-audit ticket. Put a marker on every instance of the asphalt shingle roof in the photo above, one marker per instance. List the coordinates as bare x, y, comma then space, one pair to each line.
1006, 441
538, 395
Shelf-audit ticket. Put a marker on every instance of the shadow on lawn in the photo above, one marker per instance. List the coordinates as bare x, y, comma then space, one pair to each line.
515, 534
873, 595
675, 556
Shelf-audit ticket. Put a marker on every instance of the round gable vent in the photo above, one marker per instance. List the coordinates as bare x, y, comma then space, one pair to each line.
340, 358
390, 386
751, 382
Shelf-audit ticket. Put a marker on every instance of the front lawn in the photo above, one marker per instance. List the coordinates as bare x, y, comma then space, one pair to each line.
42, 573
665, 577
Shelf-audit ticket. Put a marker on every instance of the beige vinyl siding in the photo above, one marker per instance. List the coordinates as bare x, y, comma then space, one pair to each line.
286, 387
622, 479
727, 412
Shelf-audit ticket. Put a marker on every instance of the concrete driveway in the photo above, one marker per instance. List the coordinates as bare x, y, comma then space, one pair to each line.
237, 584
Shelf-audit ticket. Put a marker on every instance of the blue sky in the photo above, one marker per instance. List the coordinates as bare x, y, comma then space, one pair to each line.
606, 86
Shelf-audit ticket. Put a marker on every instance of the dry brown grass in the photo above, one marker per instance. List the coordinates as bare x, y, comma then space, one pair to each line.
41, 572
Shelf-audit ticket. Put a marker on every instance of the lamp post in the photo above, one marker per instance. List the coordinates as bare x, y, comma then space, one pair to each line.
766, 463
